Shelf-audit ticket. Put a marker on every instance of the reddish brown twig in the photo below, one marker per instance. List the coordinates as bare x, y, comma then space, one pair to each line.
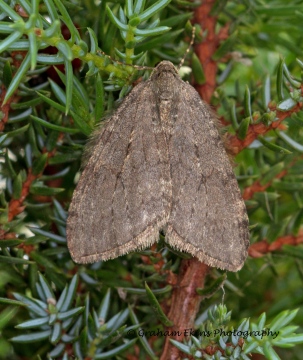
5, 108
15, 206
248, 192
185, 303
206, 49
263, 247
254, 130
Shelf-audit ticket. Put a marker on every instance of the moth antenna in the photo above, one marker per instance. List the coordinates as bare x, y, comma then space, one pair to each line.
138, 67
193, 34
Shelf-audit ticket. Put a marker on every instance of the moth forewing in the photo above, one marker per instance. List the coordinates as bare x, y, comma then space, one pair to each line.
159, 164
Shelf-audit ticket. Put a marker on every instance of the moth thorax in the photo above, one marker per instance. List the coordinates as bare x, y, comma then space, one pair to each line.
164, 85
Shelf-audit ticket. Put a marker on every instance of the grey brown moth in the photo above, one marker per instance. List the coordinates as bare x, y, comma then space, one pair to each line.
159, 163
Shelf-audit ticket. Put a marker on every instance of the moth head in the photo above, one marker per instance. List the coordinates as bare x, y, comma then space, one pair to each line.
163, 79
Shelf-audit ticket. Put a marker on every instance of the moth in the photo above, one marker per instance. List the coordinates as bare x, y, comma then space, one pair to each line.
159, 164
